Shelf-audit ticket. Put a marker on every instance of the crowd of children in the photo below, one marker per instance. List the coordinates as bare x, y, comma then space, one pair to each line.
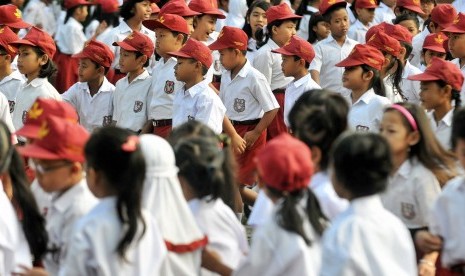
240, 137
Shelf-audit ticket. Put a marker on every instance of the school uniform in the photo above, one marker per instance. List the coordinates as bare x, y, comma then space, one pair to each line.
358, 30
237, 12
130, 102
43, 199
37, 13
94, 111
459, 5
294, 90
65, 210
246, 98
443, 128
327, 54
331, 204
199, 103
410, 194
304, 22
10, 85
417, 47
92, 248
251, 50
391, 93
410, 89
5, 115
261, 211
383, 13
366, 113
456, 61
37, 88
367, 239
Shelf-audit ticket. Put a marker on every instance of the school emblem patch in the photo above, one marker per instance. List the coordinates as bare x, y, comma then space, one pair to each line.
361, 128
408, 210
12, 106
107, 120
169, 87
239, 105
24, 117
138, 106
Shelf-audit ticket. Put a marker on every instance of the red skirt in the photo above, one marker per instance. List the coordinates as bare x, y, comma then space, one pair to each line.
114, 76
162, 131
67, 74
277, 126
245, 161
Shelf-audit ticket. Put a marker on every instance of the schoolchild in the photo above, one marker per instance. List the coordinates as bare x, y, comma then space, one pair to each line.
40, 13
318, 30
412, 7
255, 20
180, 8
365, 13
385, 12
408, 21
11, 16
434, 45
307, 9
456, 33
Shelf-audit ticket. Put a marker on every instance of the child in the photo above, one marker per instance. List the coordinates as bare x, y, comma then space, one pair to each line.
385, 12
352, 244
307, 9
10, 16
39, 13
408, 21
117, 237
297, 56
131, 93
365, 13
334, 48
58, 161
36, 50
280, 28
433, 46
196, 100
456, 33
255, 20
412, 7
367, 97
70, 39
92, 96
440, 85
180, 8
318, 29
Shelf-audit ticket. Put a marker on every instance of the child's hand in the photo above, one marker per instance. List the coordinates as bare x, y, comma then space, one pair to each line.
238, 144
251, 137
427, 242
426, 269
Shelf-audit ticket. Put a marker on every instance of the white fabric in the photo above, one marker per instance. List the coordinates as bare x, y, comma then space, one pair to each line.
367, 240
96, 236
456, 61
411, 193
10, 85
5, 115
417, 44
391, 92
459, 5
43, 199
303, 26
237, 11
251, 50
331, 204
443, 128
94, 111
261, 211
357, 31
410, 88
294, 90
40, 15
91, 28
383, 13
70, 37
220, 23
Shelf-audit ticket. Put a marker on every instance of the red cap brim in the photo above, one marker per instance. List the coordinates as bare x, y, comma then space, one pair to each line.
349, 62
125, 46
436, 49
35, 151
179, 54
19, 25
216, 13
22, 42
28, 131
217, 45
415, 9
453, 29
424, 77
154, 24
283, 52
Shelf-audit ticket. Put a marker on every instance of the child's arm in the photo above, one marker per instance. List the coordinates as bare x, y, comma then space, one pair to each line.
237, 143
315, 66
315, 76
251, 136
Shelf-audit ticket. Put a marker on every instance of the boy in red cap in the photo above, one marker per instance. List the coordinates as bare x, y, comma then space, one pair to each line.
456, 33
196, 100
179, 7
92, 96
334, 48
171, 32
433, 46
10, 16
131, 93
58, 155
365, 13
297, 56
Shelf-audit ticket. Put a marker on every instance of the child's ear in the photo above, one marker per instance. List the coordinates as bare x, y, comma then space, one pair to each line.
77, 168
368, 75
101, 70
274, 30
179, 38
43, 60
413, 138
316, 154
447, 90
403, 51
302, 62
397, 11
432, 28
142, 59
195, 21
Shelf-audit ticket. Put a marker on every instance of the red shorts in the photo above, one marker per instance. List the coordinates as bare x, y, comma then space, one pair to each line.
67, 74
245, 161
162, 131
277, 126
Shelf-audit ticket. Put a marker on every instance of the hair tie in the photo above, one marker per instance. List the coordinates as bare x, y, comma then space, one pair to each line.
407, 115
131, 144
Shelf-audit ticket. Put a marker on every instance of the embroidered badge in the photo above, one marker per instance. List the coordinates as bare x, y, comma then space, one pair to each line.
24, 117
239, 105
217, 66
408, 210
169, 87
362, 128
107, 120
138, 106
12, 106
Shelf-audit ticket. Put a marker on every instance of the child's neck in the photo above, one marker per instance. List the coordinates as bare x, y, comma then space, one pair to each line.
358, 93
441, 111
195, 80
300, 74
32, 76
366, 24
95, 84
134, 74
238, 68
398, 159
340, 40
134, 24
5, 72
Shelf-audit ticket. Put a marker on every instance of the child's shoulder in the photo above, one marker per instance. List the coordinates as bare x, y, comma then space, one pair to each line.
454, 186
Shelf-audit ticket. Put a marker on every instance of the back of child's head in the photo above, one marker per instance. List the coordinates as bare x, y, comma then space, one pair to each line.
8, 36
458, 127
317, 118
362, 163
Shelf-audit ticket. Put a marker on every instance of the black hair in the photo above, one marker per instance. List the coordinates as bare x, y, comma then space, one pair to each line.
124, 171
264, 5
314, 20
362, 163
307, 64
184, 36
147, 62
327, 15
70, 12
408, 49
458, 126
97, 66
126, 10
302, 10
263, 36
405, 17
317, 118
376, 82
455, 94
49, 68
396, 78
112, 19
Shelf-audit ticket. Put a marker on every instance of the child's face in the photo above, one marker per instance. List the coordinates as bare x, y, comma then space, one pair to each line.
190, 24
457, 45
429, 54
88, 70
81, 13
410, 26
352, 77
322, 30
128, 61
427, 7
28, 61
228, 58
205, 25
184, 69
54, 175
392, 128
289, 65
283, 33
142, 10
5, 59
366, 16
432, 96
460, 151
166, 42
339, 23
257, 19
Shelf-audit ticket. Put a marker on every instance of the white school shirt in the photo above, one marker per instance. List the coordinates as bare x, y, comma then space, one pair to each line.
410, 194
94, 111
130, 102
383, 13
9, 234
91, 28
65, 210
294, 90
226, 235
350, 13
92, 248
417, 47
237, 12
275, 251
366, 113
304, 21
164, 87
358, 30
410, 88
43, 199
199, 103
269, 64
448, 222
367, 239
443, 128
459, 5
10, 85
248, 95
456, 61
327, 54
261, 211
391, 92
29, 92
251, 50
37, 13
70, 37
331, 204
5, 115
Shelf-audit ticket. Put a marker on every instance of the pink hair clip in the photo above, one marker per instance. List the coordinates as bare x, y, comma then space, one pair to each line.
131, 144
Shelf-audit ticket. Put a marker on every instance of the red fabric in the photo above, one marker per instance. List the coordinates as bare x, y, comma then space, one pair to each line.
115, 77
162, 131
442, 271
67, 74
277, 126
185, 248
246, 161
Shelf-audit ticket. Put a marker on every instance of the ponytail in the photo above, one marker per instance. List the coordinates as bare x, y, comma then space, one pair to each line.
396, 78
376, 83
457, 99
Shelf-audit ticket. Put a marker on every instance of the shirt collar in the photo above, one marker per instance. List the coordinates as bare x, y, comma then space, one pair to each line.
272, 44
366, 97
301, 81
196, 89
245, 70
14, 75
105, 87
366, 204
63, 202
37, 82
142, 76
124, 27
74, 22
318, 179
404, 169
447, 119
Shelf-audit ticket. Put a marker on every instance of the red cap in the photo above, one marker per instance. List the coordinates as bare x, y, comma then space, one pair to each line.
398, 32
97, 52
109, 6
38, 38
413, 5
297, 47
443, 15
325, 5
366, 4
363, 54
6, 37
280, 12
230, 37
458, 25
209, 7
58, 139
137, 42
69, 4
441, 70
178, 7
155, 8
168, 21
196, 50
285, 164
435, 42
40, 110
11, 16
384, 43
